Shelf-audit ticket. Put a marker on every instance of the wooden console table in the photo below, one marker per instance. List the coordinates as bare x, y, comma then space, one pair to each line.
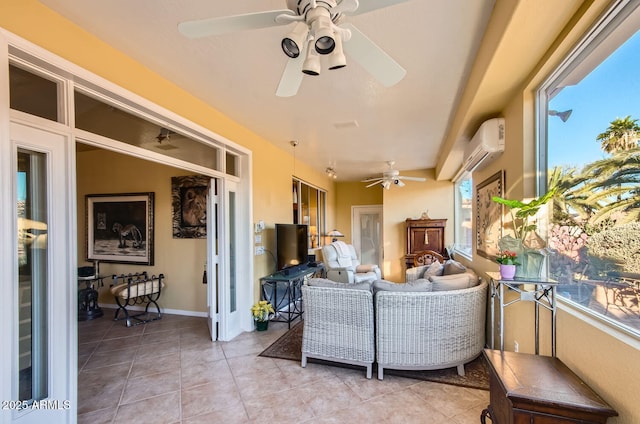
527, 388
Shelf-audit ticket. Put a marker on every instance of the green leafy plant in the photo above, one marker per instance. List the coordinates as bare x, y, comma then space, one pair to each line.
523, 214
261, 310
507, 257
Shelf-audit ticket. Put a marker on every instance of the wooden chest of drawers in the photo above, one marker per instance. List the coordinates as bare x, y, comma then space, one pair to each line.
539, 389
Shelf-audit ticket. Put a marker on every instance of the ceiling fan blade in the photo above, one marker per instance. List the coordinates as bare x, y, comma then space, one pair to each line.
374, 183
400, 177
292, 76
372, 58
226, 24
370, 5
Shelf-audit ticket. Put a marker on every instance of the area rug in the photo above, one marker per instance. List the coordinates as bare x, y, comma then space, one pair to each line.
289, 346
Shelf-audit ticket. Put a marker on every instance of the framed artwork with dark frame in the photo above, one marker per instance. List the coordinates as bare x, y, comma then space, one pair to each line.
489, 216
189, 204
120, 228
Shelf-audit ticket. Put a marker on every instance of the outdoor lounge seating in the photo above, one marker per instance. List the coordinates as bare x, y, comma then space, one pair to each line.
338, 323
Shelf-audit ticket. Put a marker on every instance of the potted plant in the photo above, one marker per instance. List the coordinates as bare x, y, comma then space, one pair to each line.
261, 312
523, 220
508, 261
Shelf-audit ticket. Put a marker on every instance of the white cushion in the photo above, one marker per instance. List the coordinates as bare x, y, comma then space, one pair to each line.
453, 267
421, 285
450, 282
323, 282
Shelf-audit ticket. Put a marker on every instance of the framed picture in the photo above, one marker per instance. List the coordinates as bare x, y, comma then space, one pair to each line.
120, 228
489, 216
189, 204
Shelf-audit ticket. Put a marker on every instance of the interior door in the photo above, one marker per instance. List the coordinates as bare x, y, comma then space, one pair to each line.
229, 289
44, 360
213, 256
366, 233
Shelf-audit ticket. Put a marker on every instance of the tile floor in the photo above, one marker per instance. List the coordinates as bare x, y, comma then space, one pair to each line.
169, 371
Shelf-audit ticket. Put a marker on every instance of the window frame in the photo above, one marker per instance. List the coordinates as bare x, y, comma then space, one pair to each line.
589, 52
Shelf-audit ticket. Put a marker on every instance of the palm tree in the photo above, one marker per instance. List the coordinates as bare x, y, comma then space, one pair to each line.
622, 134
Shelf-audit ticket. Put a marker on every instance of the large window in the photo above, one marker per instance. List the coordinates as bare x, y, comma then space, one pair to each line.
591, 109
463, 231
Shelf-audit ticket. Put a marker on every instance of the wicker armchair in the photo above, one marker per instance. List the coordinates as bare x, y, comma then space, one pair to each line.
429, 330
338, 324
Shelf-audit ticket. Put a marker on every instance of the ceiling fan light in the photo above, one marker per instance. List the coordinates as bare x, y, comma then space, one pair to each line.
293, 42
322, 29
386, 184
337, 58
311, 65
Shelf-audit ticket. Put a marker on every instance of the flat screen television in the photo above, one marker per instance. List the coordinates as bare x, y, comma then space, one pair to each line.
291, 245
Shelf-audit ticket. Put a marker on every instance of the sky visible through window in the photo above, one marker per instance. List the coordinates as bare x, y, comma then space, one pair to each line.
610, 91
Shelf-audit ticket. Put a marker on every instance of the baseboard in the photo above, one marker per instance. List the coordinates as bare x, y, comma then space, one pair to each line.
164, 310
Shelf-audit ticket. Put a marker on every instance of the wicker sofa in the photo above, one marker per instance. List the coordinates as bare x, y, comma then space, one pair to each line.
431, 329
430, 323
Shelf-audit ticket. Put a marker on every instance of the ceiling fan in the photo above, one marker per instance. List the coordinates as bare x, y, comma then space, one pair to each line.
317, 30
390, 177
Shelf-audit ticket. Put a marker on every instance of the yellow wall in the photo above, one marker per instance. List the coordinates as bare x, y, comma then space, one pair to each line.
180, 260
350, 194
503, 85
272, 167
610, 365
410, 201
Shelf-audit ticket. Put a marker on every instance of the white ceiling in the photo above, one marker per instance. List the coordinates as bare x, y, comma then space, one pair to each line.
435, 41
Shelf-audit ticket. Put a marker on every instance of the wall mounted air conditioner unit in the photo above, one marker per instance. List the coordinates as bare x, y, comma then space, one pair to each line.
485, 146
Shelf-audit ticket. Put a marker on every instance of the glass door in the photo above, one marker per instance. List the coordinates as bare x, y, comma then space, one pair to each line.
367, 234
44, 358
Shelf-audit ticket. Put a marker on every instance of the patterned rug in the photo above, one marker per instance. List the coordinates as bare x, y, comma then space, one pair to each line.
289, 346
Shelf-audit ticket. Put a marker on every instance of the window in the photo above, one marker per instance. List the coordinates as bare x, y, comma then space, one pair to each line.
591, 155
463, 232
33, 94
309, 208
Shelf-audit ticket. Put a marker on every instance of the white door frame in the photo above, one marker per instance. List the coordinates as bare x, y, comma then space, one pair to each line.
68, 330
61, 293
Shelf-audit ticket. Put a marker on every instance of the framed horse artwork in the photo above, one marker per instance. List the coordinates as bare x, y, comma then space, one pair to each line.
120, 228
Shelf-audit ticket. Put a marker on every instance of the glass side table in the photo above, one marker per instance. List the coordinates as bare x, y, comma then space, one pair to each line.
540, 291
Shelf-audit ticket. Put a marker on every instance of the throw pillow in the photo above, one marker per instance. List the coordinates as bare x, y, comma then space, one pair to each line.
435, 268
450, 282
366, 268
323, 282
453, 267
420, 285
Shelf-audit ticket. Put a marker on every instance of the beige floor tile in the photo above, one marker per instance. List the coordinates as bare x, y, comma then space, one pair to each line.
205, 373
233, 415
151, 385
153, 365
113, 357
164, 409
169, 371
208, 398
103, 416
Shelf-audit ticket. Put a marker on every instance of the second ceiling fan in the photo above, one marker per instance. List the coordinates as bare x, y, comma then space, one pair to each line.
390, 177
318, 30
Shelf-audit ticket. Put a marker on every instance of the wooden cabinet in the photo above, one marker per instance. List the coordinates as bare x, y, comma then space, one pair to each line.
424, 234
527, 388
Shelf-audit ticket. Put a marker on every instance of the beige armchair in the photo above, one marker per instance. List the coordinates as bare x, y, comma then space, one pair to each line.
342, 265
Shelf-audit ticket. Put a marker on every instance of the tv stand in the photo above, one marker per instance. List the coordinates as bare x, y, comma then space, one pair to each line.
282, 290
